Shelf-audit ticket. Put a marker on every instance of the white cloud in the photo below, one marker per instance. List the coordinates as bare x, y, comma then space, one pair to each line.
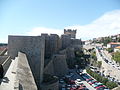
108, 24
3, 40
39, 30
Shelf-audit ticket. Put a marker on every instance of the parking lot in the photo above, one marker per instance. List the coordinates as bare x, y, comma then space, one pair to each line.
76, 82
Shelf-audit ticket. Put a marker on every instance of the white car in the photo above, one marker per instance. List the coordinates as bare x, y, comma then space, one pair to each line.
119, 68
63, 88
78, 82
117, 65
61, 81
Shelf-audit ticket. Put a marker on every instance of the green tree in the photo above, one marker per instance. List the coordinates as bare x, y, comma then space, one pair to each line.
99, 63
111, 85
106, 40
79, 53
93, 55
101, 79
110, 50
104, 80
119, 39
116, 56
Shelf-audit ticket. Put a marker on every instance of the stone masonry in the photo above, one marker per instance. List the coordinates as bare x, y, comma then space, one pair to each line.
33, 47
70, 32
57, 66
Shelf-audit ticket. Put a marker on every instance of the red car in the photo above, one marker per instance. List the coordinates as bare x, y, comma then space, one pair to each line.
73, 88
88, 79
99, 86
81, 88
71, 82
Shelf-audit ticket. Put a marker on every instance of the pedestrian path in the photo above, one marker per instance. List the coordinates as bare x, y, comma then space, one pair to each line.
8, 82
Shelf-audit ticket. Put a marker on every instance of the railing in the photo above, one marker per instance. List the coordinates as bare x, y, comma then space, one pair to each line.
3, 52
6, 64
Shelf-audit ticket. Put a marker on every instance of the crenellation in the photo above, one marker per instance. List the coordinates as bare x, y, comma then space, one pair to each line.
70, 32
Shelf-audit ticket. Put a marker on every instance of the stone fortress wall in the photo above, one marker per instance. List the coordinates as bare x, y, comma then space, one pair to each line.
60, 65
33, 47
65, 40
52, 44
57, 66
52, 86
46, 54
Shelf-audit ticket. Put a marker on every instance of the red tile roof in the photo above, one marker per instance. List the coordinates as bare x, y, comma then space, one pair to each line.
114, 43
118, 47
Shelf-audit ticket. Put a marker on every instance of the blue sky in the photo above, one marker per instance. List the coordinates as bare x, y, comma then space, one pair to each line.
24, 16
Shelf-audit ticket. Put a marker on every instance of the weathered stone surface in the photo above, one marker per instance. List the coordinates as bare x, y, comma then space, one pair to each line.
57, 66
52, 86
24, 74
60, 65
68, 52
70, 32
52, 44
66, 41
33, 47
49, 68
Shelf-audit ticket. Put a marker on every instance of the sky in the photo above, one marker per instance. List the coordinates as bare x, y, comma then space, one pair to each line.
91, 18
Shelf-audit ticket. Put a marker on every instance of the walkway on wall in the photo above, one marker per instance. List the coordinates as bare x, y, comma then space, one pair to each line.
9, 80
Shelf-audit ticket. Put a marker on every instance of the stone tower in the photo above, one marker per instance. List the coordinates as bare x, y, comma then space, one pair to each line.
70, 32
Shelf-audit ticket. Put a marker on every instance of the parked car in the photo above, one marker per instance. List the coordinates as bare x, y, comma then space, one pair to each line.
86, 77
78, 83
73, 88
81, 88
117, 65
61, 81
63, 88
78, 80
102, 86
97, 84
71, 82
92, 82
68, 86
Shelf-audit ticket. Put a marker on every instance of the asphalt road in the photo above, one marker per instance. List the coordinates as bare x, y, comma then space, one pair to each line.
108, 68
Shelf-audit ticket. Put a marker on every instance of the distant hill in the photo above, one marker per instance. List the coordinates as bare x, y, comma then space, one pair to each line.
3, 44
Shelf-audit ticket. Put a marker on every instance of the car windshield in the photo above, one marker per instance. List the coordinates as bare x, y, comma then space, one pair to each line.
87, 76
